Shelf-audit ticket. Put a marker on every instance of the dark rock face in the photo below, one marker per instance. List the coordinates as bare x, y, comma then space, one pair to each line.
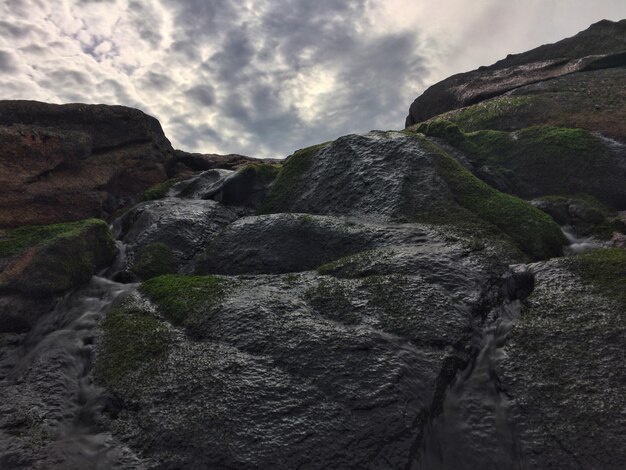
603, 45
350, 366
283, 243
67, 162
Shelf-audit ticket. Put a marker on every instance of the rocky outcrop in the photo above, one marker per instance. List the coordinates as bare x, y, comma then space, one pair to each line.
601, 46
67, 162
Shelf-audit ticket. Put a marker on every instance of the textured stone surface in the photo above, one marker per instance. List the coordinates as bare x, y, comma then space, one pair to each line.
563, 368
67, 162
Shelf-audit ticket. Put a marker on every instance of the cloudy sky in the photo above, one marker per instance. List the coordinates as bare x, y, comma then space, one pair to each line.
265, 77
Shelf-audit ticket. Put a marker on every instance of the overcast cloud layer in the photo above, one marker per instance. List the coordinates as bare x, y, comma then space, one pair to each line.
265, 77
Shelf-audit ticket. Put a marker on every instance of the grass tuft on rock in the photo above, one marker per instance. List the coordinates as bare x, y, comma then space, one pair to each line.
263, 172
160, 190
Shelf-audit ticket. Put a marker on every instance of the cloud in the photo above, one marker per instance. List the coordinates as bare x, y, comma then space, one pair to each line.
8, 63
264, 77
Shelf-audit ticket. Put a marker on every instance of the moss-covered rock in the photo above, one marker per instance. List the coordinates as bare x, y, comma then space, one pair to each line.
43, 260
154, 259
594, 101
540, 160
160, 190
134, 341
186, 299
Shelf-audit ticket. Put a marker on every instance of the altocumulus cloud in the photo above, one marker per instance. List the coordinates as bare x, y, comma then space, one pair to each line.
259, 77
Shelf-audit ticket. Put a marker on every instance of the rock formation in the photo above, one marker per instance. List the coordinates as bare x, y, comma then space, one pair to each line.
401, 299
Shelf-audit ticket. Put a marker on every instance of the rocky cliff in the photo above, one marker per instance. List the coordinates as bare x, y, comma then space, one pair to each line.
447, 296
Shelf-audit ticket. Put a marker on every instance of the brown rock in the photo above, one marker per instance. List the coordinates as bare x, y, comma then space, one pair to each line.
68, 162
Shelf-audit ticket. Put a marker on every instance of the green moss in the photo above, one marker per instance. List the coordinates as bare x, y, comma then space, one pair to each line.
159, 191
154, 259
533, 231
183, 298
264, 172
288, 179
14, 241
134, 342
485, 115
535, 161
605, 269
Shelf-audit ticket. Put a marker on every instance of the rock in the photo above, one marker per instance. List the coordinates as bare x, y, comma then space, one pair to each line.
542, 161
603, 45
184, 226
283, 243
344, 372
592, 100
562, 364
393, 176
66, 162
40, 262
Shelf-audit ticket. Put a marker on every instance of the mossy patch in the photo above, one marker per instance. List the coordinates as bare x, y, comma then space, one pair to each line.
533, 231
605, 269
288, 179
159, 191
134, 343
183, 299
154, 259
14, 241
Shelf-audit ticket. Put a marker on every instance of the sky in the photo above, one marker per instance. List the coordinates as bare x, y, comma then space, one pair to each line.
266, 77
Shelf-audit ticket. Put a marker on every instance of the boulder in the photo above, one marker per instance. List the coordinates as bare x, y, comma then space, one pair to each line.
541, 161
602, 45
283, 243
38, 263
66, 162
396, 176
344, 372
169, 232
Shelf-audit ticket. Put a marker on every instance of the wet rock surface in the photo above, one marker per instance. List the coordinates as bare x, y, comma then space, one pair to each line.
562, 368
184, 226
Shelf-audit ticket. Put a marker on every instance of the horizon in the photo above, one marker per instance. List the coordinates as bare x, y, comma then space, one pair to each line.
272, 76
